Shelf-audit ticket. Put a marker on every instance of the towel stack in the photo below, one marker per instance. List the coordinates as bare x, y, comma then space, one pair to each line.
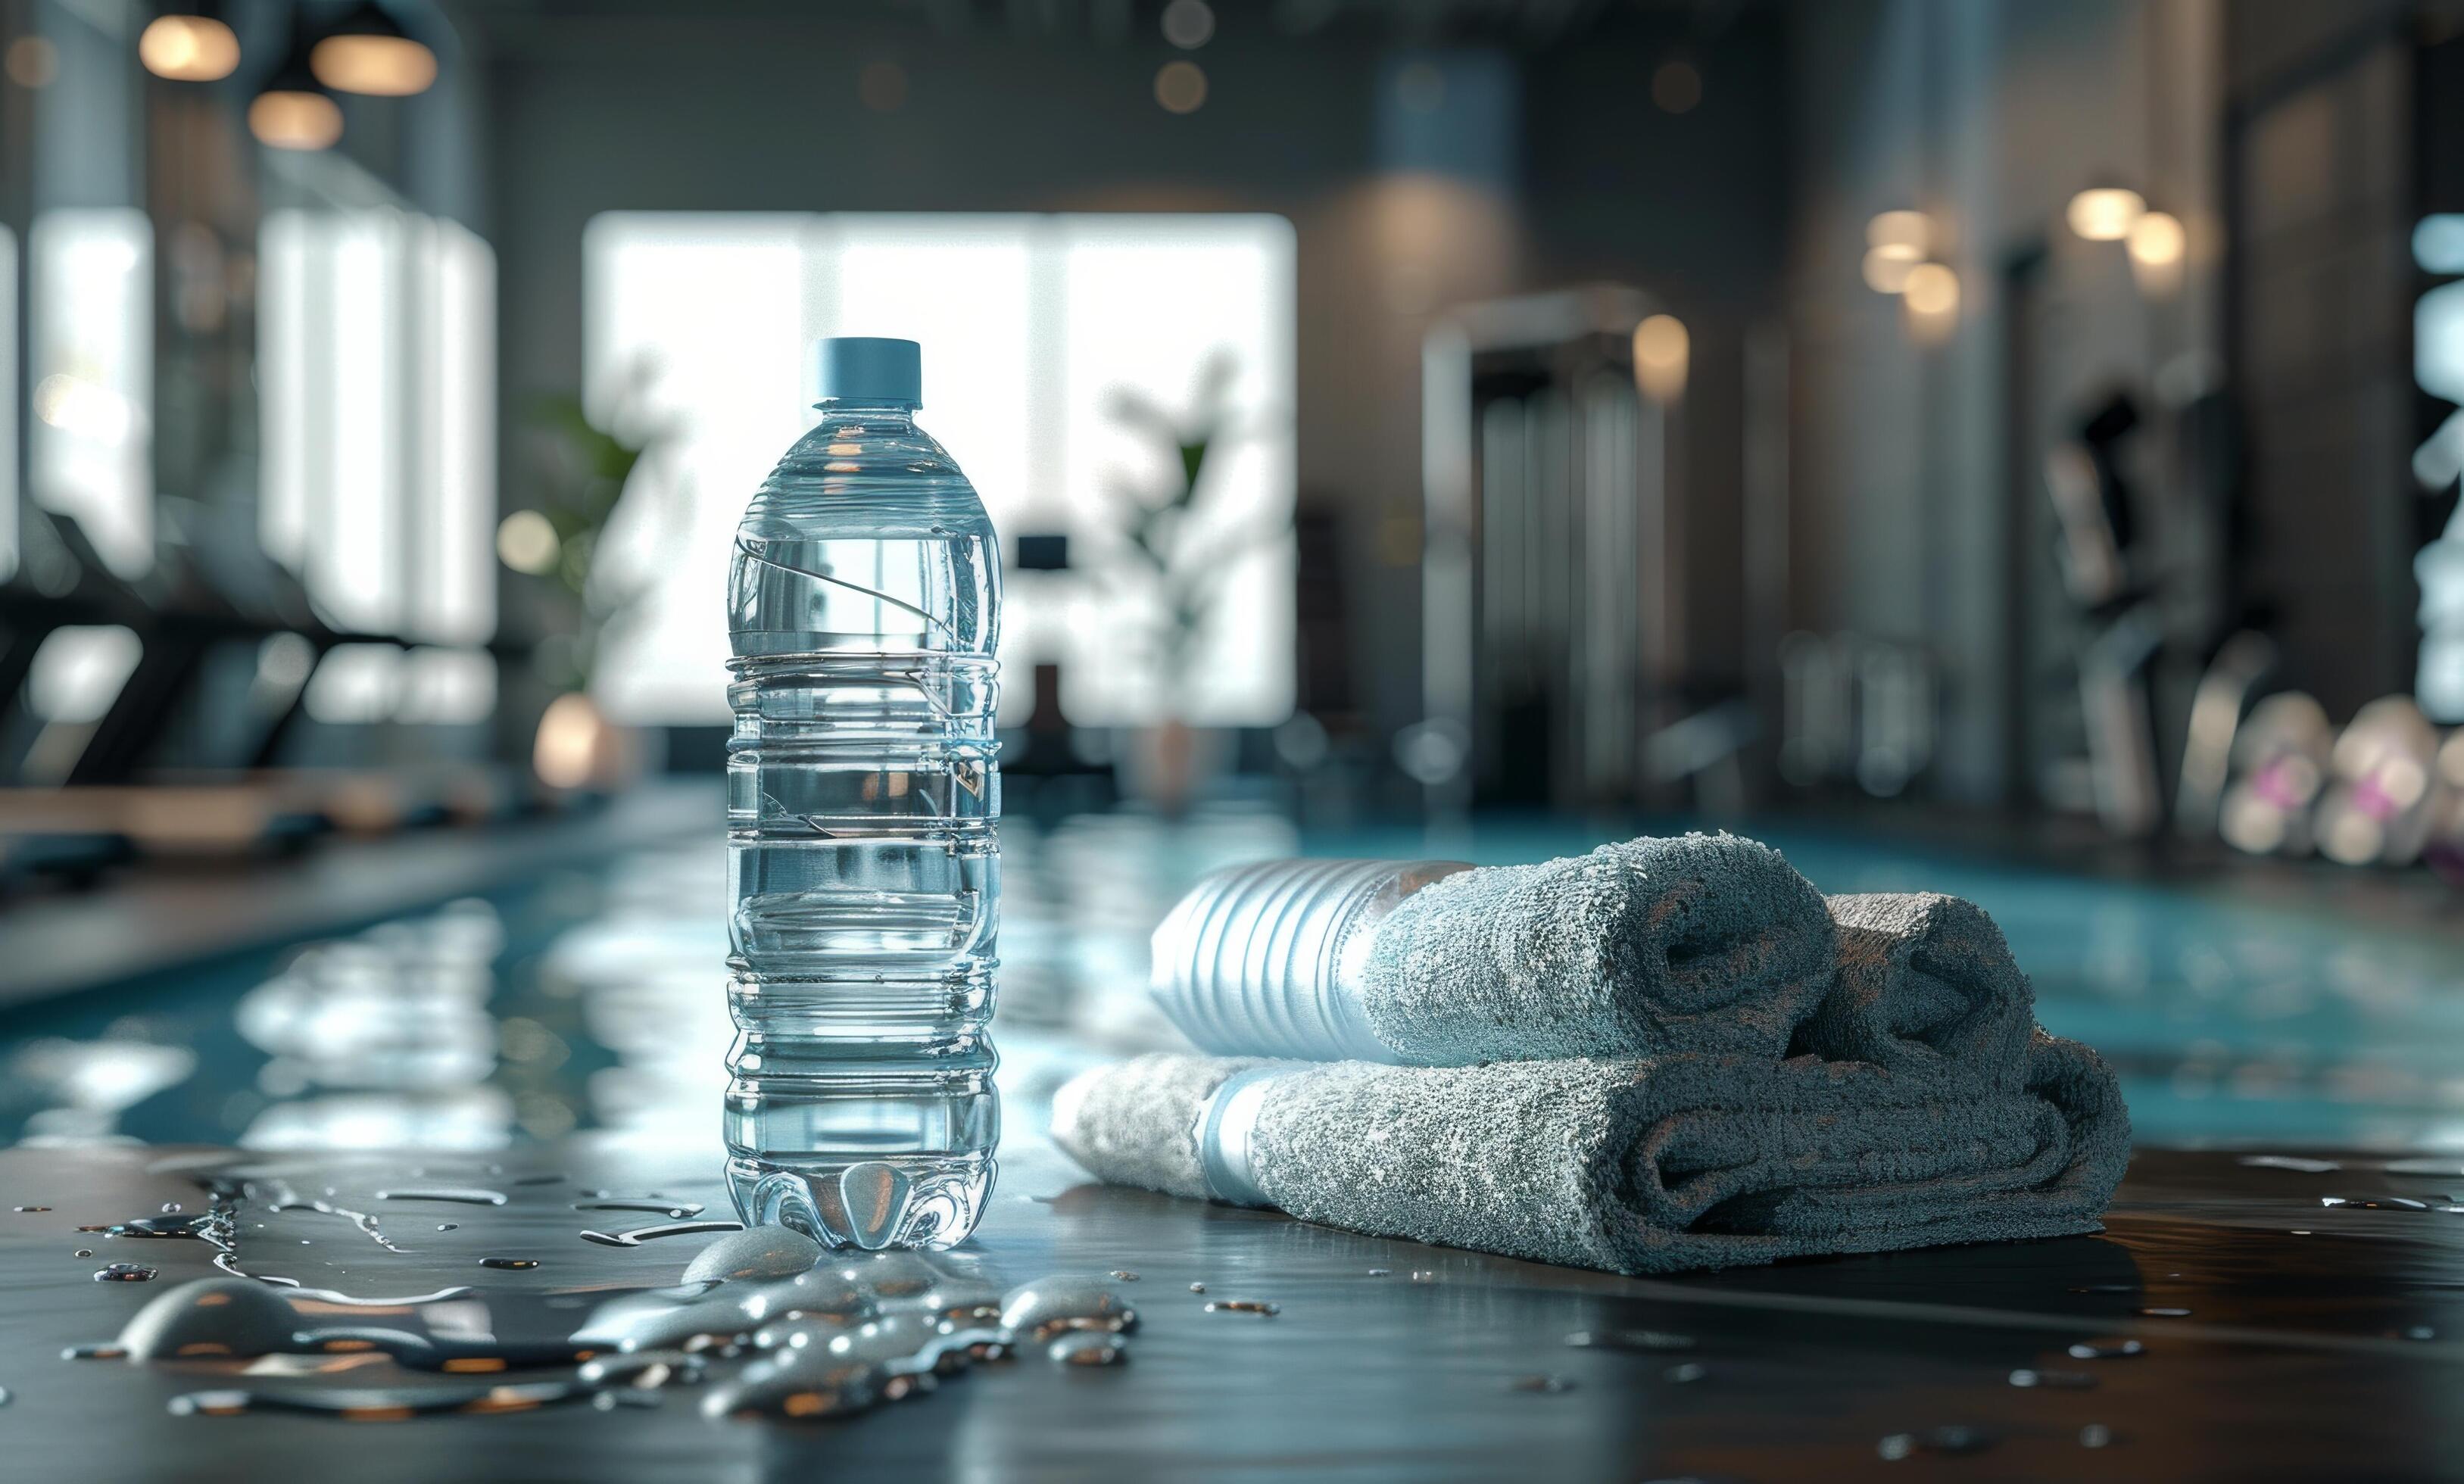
1668, 1053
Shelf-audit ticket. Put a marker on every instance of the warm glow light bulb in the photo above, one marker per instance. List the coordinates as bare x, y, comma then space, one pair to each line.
1662, 350
379, 66
295, 120
188, 49
2157, 240
1180, 87
527, 541
1931, 293
2104, 213
1887, 267
1904, 235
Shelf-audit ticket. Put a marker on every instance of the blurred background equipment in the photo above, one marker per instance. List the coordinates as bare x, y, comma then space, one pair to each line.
1413, 415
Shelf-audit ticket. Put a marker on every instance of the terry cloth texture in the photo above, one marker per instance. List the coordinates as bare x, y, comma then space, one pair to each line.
1136, 1124
1925, 987
1628, 1166
1690, 944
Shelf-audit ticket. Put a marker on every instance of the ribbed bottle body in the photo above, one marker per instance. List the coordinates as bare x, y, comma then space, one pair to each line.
1267, 959
864, 853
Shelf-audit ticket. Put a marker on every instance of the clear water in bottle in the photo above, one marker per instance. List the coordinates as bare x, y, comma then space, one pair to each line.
864, 795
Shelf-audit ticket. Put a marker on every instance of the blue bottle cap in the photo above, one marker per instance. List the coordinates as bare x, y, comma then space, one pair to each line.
867, 368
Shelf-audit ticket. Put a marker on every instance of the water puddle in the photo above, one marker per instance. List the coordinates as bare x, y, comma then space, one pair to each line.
640, 1235
401, 1404
2106, 1350
680, 1209
1088, 1347
769, 1324
1952, 1440
453, 1195
2053, 1380
1629, 1340
1244, 1306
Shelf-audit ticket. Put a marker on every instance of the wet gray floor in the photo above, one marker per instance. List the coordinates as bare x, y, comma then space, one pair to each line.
2263, 1353
560, 1035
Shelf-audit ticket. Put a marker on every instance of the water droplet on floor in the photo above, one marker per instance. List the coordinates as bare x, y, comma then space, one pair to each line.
1198, 1288
891, 1273
448, 1225
2096, 1435
680, 1209
203, 1226
515, 1263
2105, 1349
171, 1208
664, 1318
1629, 1340
556, 1178
1543, 1384
1380, 1272
1685, 1373
1048, 1305
2166, 1313
455, 1195
2421, 1332
2053, 1380
210, 1316
85, 1252
33, 1208
2313, 1166
1424, 1276
93, 1352
389, 1404
644, 1370
124, 1272
637, 1236
761, 1252
1941, 1440
1244, 1306
1125, 1274
1088, 1347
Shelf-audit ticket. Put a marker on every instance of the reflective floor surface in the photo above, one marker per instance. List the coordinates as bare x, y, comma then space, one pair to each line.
2297, 1313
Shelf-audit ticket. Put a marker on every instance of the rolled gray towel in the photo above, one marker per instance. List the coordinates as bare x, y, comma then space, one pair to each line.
1925, 987
1693, 944
1626, 1166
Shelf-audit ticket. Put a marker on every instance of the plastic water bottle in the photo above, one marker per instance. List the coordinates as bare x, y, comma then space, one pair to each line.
1268, 959
864, 795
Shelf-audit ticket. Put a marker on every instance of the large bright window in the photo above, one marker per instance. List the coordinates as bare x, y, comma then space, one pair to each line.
92, 344
377, 383
1033, 328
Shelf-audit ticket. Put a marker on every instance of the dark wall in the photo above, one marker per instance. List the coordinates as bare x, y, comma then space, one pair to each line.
2320, 161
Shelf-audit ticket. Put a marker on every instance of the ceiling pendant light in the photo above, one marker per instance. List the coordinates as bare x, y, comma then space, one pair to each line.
189, 44
2104, 213
291, 110
368, 52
